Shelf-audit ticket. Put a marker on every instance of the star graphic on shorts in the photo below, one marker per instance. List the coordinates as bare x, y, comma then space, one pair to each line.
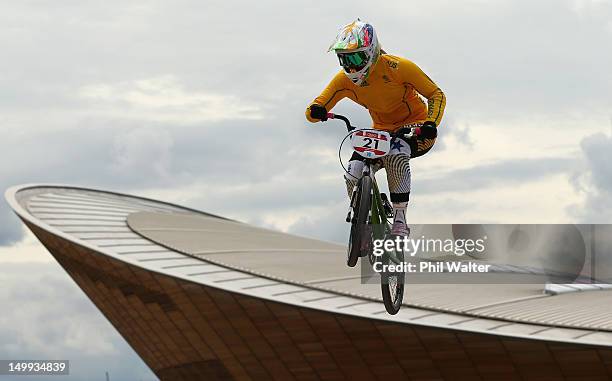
397, 144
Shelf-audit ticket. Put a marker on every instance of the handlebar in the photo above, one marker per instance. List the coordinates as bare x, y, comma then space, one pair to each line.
402, 132
331, 115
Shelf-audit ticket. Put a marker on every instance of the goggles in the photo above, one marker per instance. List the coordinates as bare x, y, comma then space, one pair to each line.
353, 60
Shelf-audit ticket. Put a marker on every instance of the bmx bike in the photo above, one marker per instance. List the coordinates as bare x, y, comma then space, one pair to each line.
370, 210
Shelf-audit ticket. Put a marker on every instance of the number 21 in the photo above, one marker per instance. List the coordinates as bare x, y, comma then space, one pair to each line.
369, 143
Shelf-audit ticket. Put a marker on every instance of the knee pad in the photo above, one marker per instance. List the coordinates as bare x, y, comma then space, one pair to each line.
398, 174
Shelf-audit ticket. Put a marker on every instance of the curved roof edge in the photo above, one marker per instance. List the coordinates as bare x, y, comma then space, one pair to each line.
421, 317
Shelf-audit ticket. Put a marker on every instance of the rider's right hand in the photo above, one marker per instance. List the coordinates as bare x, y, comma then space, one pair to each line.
428, 130
318, 112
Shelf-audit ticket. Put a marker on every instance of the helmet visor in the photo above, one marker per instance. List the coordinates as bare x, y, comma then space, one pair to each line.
353, 61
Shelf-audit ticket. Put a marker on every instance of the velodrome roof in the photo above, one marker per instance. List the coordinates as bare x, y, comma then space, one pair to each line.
244, 259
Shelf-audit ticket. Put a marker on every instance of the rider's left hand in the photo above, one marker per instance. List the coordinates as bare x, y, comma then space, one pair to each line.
428, 130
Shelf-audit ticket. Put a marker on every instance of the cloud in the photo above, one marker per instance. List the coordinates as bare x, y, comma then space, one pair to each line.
495, 60
593, 179
10, 227
49, 318
234, 161
326, 223
142, 152
450, 196
164, 99
506, 173
151, 97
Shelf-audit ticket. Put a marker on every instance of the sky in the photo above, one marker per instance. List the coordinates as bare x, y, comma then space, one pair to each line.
202, 104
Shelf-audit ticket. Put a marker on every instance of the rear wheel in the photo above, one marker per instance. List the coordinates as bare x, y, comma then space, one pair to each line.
360, 240
392, 283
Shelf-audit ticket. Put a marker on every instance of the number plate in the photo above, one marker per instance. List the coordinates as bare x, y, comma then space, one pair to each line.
371, 144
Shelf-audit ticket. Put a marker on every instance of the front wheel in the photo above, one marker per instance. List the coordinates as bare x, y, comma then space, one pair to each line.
360, 240
392, 282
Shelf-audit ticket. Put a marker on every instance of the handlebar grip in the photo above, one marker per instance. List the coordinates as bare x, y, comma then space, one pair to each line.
331, 115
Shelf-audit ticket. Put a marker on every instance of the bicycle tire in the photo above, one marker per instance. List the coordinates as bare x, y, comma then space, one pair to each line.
359, 224
392, 287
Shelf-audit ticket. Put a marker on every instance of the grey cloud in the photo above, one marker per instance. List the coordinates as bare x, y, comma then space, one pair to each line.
330, 225
508, 173
327, 225
134, 155
596, 149
460, 132
142, 152
491, 60
48, 318
241, 158
503, 61
326, 222
10, 227
593, 179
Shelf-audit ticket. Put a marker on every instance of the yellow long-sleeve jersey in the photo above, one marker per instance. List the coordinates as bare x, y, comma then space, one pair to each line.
390, 94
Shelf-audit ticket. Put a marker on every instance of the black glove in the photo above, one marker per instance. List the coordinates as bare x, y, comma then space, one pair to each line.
318, 112
429, 130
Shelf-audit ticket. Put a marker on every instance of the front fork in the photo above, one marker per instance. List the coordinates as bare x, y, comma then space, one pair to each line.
378, 210
353, 204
